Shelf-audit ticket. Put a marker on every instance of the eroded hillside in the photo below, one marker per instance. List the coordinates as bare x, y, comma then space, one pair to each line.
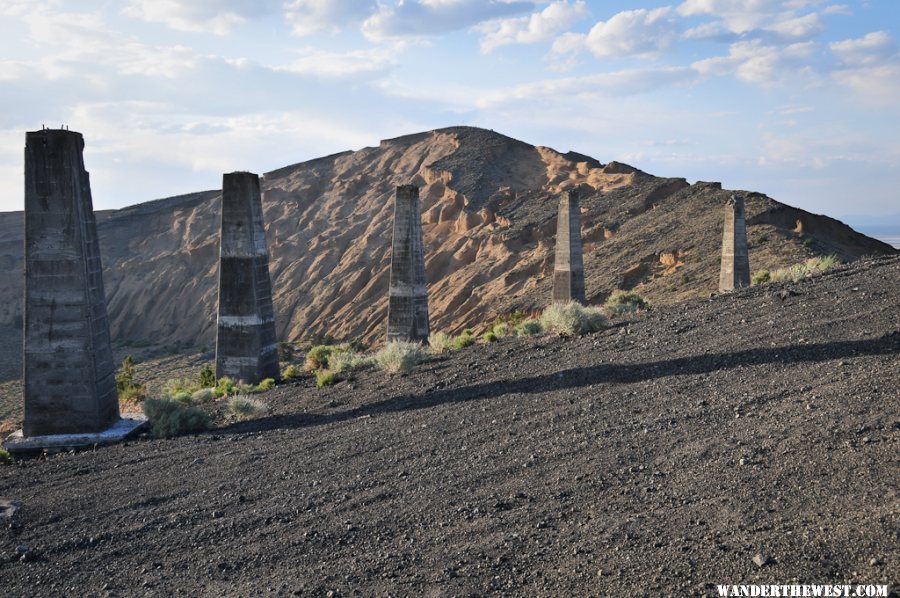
489, 219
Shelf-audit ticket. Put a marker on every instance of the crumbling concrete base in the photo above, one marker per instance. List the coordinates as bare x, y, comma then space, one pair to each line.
17, 442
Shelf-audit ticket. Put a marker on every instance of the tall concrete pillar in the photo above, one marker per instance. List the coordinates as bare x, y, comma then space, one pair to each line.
70, 385
246, 347
735, 272
568, 271
408, 296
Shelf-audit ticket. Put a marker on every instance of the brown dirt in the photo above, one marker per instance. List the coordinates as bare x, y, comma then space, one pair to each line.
657, 457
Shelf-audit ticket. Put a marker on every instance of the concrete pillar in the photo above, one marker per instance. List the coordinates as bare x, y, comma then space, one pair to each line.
735, 272
246, 347
70, 385
408, 296
568, 271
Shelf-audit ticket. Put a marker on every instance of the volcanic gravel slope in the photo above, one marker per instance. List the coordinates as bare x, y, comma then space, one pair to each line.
657, 457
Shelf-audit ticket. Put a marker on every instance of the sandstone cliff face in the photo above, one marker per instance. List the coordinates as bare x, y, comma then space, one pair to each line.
488, 212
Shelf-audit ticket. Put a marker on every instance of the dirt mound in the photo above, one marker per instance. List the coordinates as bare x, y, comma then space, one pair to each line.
657, 457
489, 209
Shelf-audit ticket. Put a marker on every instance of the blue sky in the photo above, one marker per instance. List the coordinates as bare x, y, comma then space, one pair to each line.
799, 99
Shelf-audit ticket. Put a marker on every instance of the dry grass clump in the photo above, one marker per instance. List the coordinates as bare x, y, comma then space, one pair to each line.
243, 407
625, 302
572, 318
811, 267
170, 418
439, 342
399, 357
530, 327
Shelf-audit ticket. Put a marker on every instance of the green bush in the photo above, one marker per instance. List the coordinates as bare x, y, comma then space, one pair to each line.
344, 361
760, 277
203, 395
285, 351
183, 397
226, 386
812, 266
170, 418
207, 377
529, 328
290, 372
399, 357
572, 318
243, 407
439, 342
266, 384
129, 390
625, 302
490, 337
175, 385
317, 357
463, 340
5, 457
326, 378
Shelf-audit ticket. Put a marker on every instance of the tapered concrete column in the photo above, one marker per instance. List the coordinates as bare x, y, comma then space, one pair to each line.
408, 296
568, 271
246, 347
70, 385
735, 272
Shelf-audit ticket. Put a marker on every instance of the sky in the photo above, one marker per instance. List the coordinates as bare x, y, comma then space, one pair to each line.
798, 99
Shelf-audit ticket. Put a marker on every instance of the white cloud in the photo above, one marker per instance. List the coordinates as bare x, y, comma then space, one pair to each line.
629, 33
618, 83
537, 27
803, 27
870, 66
212, 16
421, 18
311, 16
754, 62
873, 48
742, 16
313, 61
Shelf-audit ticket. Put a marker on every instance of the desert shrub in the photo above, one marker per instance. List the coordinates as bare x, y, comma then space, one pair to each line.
760, 277
572, 318
345, 361
463, 340
266, 384
243, 407
226, 386
5, 457
326, 378
291, 372
490, 337
175, 385
183, 397
170, 418
129, 389
625, 302
399, 357
318, 357
814, 265
203, 395
207, 377
529, 328
501, 329
439, 342
285, 351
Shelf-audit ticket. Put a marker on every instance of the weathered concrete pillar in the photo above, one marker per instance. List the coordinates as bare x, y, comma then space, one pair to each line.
735, 272
408, 296
568, 271
70, 385
246, 347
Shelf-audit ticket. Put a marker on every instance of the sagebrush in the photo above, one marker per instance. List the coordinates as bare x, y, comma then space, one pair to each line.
170, 418
243, 407
399, 357
572, 318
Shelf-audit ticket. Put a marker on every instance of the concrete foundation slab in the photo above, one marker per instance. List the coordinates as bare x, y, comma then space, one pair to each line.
17, 442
